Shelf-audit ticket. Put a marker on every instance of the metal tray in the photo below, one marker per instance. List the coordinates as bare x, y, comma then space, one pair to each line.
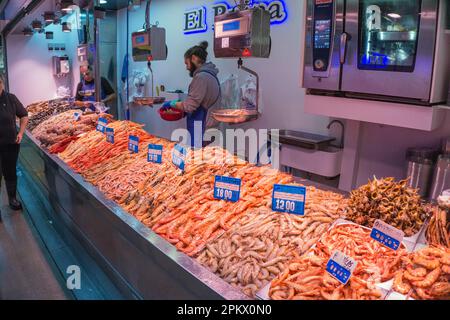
149, 101
235, 115
303, 139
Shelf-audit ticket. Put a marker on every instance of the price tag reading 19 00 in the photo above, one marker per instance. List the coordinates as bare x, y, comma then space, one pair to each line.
101, 125
289, 199
133, 144
227, 188
155, 153
179, 156
387, 235
341, 266
109, 135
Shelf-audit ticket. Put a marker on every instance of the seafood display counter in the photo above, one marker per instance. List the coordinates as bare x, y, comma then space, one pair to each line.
139, 261
162, 231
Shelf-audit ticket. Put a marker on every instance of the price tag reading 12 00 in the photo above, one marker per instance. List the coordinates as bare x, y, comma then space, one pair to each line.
101, 125
288, 199
179, 156
110, 135
387, 235
341, 266
227, 188
133, 144
155, 153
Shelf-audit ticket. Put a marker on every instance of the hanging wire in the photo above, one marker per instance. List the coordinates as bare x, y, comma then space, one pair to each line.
127, 112
147, 15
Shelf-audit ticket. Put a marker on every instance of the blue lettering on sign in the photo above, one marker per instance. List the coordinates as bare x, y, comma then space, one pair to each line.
227, 188
179, 156
133, 144
341, 266
110, 135
387, 235
154, 153
384, 239
195, 21
289, 199
337, 271
101, 125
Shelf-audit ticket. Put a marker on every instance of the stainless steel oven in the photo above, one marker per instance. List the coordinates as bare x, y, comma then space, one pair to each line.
392, 50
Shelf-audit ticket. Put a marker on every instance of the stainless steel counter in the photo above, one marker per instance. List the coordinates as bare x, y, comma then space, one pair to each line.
141, 263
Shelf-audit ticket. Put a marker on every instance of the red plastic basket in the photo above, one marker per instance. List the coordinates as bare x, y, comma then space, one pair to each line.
175, 114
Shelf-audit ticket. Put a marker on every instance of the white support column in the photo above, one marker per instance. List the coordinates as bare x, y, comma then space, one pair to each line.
350, 157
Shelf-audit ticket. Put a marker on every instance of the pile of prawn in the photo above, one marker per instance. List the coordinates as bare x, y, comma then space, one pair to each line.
182, 207
425, 274
306, 278
261, 243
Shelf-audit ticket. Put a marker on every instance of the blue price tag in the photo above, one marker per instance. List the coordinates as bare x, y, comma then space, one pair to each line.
289, 199
227, 188
101, 125
341, 266
155, 153
179, 156
77, 116
387, 235
109, 135
133, 144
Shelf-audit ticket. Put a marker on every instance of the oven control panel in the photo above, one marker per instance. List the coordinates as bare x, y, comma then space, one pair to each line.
323, 34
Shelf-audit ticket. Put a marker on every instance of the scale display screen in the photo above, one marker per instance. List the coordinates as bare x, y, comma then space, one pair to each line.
140, 39
232, 26
322, 34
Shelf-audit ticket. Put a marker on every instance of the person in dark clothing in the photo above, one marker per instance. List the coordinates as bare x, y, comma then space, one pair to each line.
10, 109
85, 96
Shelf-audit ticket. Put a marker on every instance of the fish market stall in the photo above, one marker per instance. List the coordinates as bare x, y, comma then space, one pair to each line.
160, 230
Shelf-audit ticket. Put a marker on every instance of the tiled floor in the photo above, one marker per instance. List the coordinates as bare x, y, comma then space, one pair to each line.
26, 272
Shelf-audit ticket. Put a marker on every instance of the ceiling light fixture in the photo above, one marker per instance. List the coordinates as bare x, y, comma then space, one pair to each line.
394, 15
66, 27
49, 16
27, 31
66, 5
36, 25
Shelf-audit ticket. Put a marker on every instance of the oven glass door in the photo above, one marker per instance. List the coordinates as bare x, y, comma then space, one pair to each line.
388, 34
391, 45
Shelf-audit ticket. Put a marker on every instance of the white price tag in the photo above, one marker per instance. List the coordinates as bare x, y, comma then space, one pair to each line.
225, 43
